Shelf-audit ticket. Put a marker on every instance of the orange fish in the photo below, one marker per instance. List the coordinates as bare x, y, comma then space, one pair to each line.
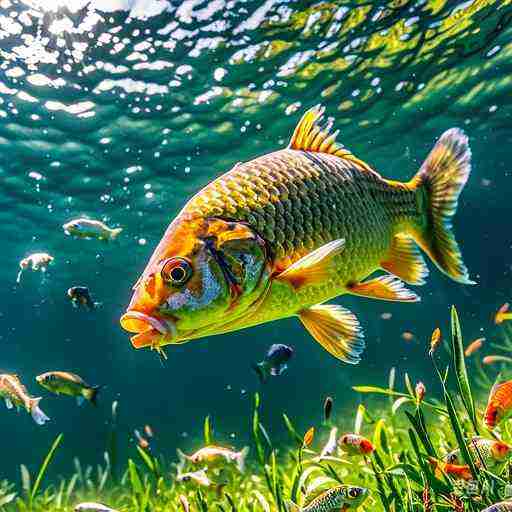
474, 346
460, 472
354, 444
503, 314
435, 340
280, 235
499, 405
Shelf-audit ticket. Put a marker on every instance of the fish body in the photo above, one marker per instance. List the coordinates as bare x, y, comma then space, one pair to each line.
275, 362
502, 506
88, 228
457, 471
490, 451
92, 507
15, 394
279, 235
503, 314
199, 477
66, 383
473, 347
339, 498
499, 404
354, 444
35, 261
212, 455
81, 296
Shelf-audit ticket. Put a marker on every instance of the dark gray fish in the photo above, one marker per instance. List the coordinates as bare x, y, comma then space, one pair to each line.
80, 296
275, 361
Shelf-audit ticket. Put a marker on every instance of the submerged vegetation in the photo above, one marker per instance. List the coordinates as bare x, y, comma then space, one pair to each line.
405, 468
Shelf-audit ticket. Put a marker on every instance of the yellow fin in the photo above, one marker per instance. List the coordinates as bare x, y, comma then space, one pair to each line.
310, 136
384, 288
439, 183
405, 261
314, 267
336, 329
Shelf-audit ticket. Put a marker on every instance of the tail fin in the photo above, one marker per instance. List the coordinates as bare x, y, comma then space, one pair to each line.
37, 414
92, 394
292, 507
240, 461
114, 233
262, 369
441, 180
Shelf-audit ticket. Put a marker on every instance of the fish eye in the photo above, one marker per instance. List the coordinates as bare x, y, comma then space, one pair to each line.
354, 492
176, 271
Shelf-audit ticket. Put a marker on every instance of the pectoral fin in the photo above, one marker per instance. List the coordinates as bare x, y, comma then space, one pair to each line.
384, 288
405, 261
8, 404
336, 329
314, 267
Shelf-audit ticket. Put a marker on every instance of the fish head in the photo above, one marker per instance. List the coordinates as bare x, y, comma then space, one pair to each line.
46, 379
352, 496
493, 414
73, 227
204, 274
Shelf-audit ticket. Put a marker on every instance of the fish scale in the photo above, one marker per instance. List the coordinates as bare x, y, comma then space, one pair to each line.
323, 199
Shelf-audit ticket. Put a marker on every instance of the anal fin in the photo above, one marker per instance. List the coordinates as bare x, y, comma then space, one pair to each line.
336, 329
405, 261
384, 288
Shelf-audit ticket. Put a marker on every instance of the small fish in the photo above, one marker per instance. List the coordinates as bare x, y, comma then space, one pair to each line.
490, 451
503, 314
308, 437
185, 505
37, 261
386, 316
15, 394
330, 446
339, 498
328, 408
474, 346
87, 228
354, 444
496, 359
67, 383
502, 506
456, 471
93, 507
149, 431
199, 477
81, 296
420, 391
499, 404
215, 454
280, 235
435, 340
275, 361
141, 440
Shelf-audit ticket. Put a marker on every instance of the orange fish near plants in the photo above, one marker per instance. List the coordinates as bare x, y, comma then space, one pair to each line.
503, 314
499, 405
460, 472
354, 444
280, 235
474, 346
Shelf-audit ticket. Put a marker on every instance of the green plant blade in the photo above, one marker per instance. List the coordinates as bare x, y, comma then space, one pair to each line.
459, 363
44, 466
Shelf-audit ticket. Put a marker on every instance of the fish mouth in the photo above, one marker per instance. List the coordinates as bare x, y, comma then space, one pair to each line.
149, 331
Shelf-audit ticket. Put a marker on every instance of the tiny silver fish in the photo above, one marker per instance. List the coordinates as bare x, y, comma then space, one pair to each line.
88, 228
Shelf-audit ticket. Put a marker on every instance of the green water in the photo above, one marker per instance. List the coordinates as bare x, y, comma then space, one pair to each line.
122, 114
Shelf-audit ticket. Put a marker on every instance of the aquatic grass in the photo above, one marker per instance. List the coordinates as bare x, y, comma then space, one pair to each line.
408, 434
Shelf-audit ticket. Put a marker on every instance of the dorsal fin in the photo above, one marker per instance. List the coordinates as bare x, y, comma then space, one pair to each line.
309, 135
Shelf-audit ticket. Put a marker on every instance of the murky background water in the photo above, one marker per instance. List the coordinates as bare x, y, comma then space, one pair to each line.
122, 109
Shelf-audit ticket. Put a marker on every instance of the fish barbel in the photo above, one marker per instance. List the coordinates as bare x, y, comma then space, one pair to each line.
280, 235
